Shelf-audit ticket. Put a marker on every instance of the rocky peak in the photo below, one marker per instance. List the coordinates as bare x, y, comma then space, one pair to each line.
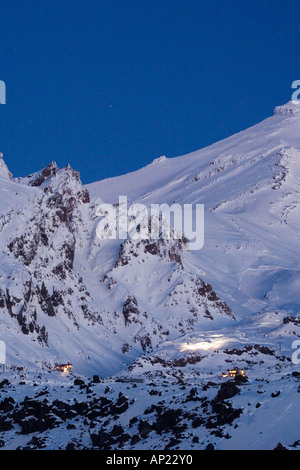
68, 185
292, 108
62, 187
44, 175
4, 171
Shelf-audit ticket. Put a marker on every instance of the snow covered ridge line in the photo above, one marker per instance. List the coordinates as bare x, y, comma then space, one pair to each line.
2, 92
161, 221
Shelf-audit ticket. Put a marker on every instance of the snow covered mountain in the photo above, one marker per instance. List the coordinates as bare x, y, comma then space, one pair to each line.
65, 293
157, 310
249, 184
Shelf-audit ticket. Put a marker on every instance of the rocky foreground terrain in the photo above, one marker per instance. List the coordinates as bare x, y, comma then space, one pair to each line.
166, 409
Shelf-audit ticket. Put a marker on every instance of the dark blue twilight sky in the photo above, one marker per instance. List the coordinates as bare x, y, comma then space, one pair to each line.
109, 85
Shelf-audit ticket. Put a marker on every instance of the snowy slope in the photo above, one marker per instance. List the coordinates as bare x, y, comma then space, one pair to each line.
171, 317
250, 186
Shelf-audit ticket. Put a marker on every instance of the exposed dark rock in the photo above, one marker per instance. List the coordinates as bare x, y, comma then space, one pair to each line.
79, 382
135, 439
46, 301
47, 172
7, 405
295, 320
209, 447
121, 405
193, 395
227, 390
280, 447
225, 413
253, 349
144, 428
168, 420
145, 342
240, 379
130, 310
103, 440
205, 290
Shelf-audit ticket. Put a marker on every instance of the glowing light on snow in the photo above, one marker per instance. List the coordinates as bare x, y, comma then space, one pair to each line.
207, 345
